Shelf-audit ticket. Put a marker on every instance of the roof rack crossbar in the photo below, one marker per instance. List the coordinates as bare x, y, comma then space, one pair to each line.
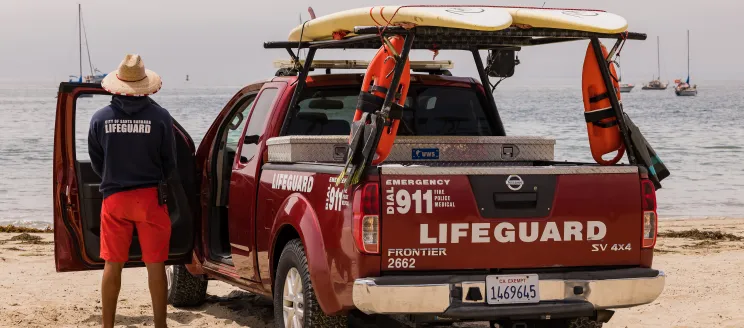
456, 39
423, 31
425, 43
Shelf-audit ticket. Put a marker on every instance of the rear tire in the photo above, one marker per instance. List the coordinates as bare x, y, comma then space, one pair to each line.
185, 289
294, 296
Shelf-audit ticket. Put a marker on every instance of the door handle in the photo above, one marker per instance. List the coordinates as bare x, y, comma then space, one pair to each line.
515, 200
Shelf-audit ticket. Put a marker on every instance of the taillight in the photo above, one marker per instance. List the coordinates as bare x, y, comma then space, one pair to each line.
650, 217
366, 227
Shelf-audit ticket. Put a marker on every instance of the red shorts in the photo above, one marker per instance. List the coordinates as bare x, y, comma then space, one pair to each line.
121, 212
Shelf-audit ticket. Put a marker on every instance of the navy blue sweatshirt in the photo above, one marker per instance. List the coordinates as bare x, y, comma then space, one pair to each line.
131, 144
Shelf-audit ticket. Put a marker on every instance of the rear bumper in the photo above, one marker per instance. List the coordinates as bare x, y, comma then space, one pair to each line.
562, 295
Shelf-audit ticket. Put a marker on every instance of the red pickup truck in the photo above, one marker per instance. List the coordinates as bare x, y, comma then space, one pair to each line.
461, 223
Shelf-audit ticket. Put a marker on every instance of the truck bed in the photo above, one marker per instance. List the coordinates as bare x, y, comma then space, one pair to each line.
475, 203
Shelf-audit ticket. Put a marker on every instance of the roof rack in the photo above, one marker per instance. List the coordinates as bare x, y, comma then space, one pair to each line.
423, 65
439, 38
442, 38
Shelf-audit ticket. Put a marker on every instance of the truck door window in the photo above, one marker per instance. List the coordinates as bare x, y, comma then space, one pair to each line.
257, 120
235, 128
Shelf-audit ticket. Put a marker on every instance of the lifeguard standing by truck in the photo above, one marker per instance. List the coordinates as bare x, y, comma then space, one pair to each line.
290, 197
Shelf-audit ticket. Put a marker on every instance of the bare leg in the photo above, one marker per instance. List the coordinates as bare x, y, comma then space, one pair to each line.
159, 292
110, 286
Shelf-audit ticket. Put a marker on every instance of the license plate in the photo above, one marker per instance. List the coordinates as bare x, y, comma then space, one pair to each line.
513, 289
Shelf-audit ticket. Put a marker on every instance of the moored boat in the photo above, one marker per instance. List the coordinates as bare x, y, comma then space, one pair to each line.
656, 83
685, 88
624, 87
95, 75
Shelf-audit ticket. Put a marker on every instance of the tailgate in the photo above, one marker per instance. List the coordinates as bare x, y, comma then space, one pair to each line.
510, 217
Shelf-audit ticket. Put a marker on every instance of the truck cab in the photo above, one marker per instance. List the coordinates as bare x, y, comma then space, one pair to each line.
460, 223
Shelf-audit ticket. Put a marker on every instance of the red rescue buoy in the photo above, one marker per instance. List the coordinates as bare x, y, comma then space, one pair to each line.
601, 121
376, 82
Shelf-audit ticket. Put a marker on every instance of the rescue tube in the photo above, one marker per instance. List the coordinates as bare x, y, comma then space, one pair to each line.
601, 121
376, 82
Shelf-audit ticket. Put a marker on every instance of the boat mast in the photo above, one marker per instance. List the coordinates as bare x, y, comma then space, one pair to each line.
658, 58
80, 41
87, 46
688, 54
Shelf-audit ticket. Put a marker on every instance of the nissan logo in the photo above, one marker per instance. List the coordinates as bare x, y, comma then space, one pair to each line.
514, 182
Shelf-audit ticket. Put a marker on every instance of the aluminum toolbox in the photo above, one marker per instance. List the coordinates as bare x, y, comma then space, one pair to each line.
333, 149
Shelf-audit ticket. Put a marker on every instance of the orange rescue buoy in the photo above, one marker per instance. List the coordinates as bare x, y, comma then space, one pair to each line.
601, 121
377, 80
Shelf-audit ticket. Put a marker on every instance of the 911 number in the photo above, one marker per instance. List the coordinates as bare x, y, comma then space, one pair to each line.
401, 263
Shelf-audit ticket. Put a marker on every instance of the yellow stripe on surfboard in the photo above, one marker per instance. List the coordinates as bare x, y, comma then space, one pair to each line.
485, 18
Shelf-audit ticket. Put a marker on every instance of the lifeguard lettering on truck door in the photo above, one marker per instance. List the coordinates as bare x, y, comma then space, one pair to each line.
429, 218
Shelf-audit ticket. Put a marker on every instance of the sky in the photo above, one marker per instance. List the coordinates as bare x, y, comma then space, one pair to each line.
220, 42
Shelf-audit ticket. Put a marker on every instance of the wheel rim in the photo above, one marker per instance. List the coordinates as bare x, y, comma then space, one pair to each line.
169, 276
292, 300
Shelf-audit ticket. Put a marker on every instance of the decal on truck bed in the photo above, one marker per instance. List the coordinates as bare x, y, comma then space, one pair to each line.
336, 197
424, 153
292, 182
423, 200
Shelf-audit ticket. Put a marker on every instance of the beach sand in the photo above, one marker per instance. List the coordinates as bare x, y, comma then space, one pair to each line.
704, 288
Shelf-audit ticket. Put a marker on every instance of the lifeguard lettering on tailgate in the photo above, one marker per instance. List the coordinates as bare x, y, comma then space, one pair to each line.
506, 232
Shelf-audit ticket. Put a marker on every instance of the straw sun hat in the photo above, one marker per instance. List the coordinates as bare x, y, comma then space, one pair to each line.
132, 79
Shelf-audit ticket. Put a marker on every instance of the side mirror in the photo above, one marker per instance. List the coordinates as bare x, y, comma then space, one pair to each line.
251, 139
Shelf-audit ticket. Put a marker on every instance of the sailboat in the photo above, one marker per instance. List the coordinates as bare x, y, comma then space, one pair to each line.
684, 88
95, 75
624, 87
656, 83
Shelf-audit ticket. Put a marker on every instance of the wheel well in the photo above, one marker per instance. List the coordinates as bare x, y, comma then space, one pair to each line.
286, 234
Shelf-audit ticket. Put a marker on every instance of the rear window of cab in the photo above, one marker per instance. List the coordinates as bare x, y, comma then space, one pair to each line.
432, 111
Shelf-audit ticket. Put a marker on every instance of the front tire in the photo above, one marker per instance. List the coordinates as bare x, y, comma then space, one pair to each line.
295, 304
185, 289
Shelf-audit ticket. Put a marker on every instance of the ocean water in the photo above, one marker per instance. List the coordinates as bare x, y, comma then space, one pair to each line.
701, 139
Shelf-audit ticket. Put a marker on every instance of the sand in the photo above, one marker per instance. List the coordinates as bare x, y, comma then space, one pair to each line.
705, 288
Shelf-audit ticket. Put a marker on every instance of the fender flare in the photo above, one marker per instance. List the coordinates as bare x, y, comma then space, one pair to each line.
297, 212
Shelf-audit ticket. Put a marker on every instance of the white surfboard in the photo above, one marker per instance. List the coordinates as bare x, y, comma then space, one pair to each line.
472, 18
480, 18
570, 19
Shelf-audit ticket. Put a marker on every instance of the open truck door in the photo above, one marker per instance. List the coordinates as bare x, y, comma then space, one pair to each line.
77, 200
